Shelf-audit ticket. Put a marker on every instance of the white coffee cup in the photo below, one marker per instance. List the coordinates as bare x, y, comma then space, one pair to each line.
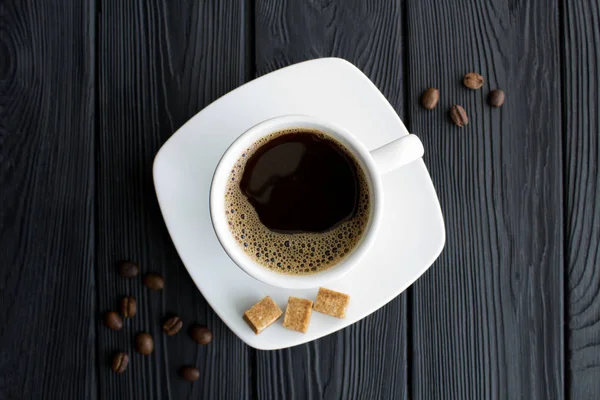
374, 164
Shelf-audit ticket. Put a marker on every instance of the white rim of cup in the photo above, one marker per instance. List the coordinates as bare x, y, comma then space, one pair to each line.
217, 200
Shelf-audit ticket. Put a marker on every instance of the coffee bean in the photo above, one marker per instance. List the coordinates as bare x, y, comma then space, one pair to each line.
144, 344
128, 306
128, 269
154, 281
496, 98
172, 326
473, 80
189, 373
430, 98
459, 116
200, 334
120, 362
113, 321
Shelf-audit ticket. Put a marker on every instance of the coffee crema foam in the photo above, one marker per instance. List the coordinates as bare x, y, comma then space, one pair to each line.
293, 253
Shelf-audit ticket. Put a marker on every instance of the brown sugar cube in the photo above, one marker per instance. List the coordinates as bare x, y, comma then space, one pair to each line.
297, 314
332, 303
262, 314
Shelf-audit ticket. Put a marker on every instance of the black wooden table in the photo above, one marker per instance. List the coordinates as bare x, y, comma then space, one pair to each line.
90, 89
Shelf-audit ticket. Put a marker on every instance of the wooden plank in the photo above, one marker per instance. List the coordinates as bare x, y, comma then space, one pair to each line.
161, 62
581, 22
488, 316
47, 297
367, 360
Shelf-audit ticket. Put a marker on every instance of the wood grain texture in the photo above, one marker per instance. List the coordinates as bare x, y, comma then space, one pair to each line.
488, 316
161, 62
581, 39
367, 360
47, 290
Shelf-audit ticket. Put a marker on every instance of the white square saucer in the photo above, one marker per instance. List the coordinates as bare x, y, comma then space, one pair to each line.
409, 240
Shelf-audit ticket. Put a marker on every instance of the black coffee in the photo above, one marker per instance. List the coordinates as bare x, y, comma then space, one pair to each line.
301, 182
298, 201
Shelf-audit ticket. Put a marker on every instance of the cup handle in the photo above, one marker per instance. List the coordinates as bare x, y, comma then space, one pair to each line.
395, 154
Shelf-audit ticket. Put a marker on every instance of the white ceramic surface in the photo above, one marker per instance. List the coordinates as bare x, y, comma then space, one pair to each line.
411, 235
375, 164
